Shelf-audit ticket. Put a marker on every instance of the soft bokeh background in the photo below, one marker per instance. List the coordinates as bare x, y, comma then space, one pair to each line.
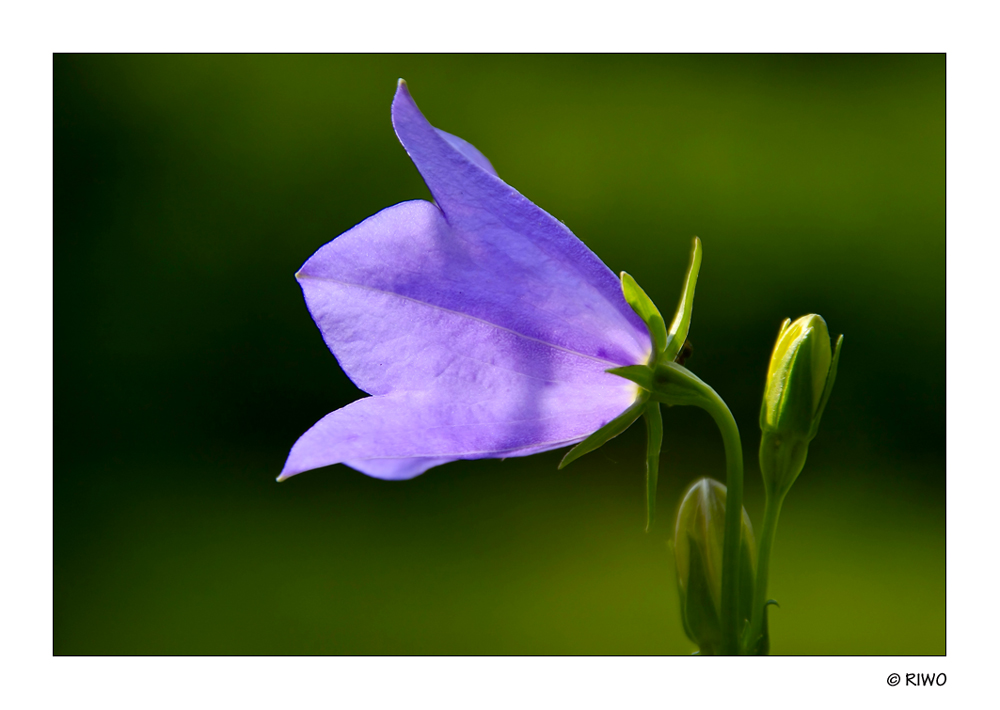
188, 190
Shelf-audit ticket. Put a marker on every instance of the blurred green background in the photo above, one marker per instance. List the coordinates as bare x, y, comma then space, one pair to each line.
188, 191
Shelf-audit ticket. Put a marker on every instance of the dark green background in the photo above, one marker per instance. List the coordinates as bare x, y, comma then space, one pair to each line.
188, 191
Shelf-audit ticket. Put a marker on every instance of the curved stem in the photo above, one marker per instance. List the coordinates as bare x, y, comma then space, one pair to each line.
772, 508
734, 509
673, 384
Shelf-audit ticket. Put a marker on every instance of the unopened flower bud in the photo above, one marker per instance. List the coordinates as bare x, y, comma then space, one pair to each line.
799, 380
698, 540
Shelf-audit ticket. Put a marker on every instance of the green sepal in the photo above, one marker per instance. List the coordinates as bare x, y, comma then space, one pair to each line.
784, 326
607, 432
681, 323
640, 374
827, 388
764, 409
647, 310
654, 441
668, 383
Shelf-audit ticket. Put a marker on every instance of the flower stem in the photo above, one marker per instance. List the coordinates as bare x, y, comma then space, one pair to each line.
772, 508
734, 509
674, 384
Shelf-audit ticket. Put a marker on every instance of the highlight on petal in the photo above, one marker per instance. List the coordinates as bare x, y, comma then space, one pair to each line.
403, 304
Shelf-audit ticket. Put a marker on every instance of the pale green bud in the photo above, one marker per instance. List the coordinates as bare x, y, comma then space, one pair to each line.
799, 380
698, 540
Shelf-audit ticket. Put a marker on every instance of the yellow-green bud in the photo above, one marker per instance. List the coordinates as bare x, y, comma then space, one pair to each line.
698, 540
799, 380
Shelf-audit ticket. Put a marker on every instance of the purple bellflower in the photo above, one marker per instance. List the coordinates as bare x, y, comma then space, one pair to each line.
479, 324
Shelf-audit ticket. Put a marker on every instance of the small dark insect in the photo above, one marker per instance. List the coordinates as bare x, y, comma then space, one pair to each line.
687, 349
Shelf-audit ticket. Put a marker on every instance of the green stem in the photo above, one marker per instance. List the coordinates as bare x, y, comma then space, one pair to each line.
673, 384
734, 509
772, 508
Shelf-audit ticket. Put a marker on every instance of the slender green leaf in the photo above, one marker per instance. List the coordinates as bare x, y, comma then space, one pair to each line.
607, 432
682, 318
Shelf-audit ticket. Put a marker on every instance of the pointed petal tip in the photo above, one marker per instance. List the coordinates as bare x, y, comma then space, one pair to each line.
402, 88
402, 103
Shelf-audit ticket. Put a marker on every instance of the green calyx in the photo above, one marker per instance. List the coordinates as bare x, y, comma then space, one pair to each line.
667, 343
668, 383
664, 379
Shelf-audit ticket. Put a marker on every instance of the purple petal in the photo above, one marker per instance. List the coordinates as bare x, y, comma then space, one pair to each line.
403, 306
508, 235
403, 434
468, 150
391, 469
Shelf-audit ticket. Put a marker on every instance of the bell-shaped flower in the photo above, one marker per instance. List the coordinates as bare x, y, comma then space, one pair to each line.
481, 326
